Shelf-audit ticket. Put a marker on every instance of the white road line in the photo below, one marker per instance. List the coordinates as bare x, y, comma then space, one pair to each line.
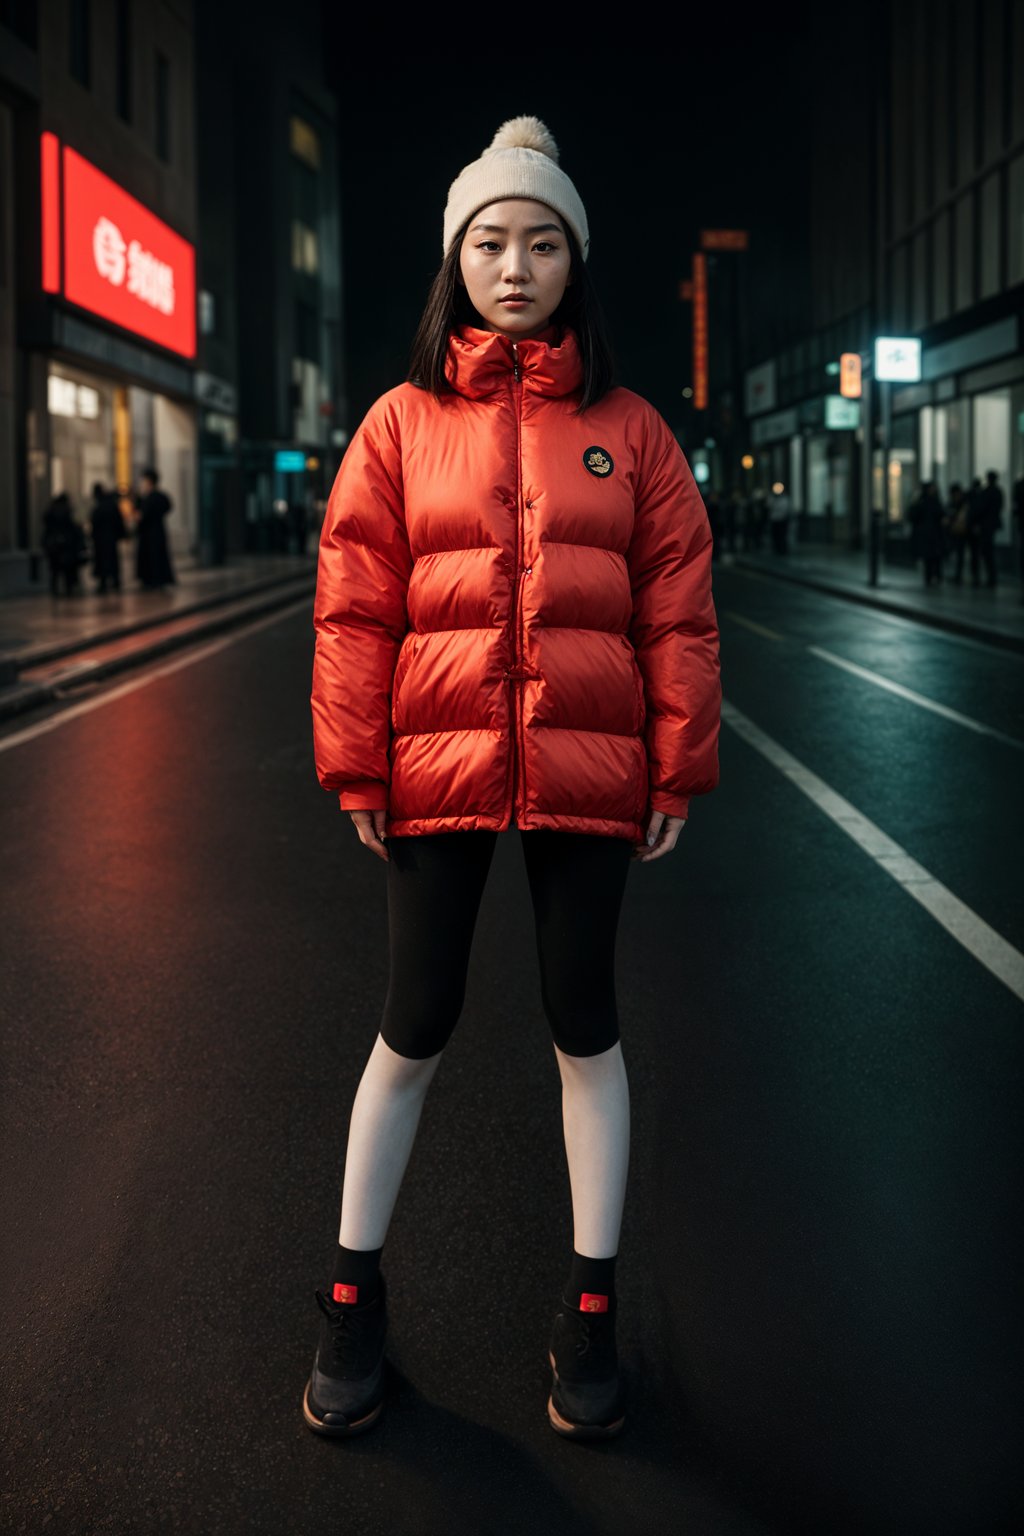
915, 698
987, 946
18, 738
759, 629
920, 628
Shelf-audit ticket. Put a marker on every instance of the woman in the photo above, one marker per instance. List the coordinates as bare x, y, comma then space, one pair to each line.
957, 531
63, 545
927, 520
108, 529
514, 629
152, 555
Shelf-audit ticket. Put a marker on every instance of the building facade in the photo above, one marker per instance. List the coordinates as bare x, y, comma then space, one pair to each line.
286, 279
917, 228
97, 290
170, 286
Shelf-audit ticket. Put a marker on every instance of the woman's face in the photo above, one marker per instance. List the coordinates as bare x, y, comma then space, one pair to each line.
517, 246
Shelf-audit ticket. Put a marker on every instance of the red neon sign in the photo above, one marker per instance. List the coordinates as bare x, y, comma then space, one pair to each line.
49, 166
700, 331
120, 261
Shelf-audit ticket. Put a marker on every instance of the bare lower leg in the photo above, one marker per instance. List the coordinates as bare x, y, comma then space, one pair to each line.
595, 1117
382, 1128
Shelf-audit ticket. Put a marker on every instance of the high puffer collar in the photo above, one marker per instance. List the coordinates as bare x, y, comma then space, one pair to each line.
479, 362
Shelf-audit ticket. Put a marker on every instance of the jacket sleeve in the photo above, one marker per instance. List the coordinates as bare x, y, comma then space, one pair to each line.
359, 614
674, 628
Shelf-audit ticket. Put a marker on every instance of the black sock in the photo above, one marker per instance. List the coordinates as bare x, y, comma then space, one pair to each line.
591, 1283
356, 1278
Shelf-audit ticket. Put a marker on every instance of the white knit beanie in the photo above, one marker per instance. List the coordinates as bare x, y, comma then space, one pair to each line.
520, 161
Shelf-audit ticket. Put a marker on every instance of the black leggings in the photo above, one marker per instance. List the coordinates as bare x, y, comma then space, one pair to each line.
435, 883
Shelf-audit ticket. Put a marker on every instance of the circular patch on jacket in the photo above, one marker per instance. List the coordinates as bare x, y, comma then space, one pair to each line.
598, 461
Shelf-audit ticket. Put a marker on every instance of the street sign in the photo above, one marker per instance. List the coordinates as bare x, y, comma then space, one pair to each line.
898, 358
110, 254
289, 461
759, 388
841, 414
724, 239
849, 375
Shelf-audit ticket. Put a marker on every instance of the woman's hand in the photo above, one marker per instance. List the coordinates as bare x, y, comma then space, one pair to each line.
370, 826
662, 832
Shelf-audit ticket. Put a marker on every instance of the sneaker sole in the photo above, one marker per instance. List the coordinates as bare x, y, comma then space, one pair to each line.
339, 1430
576, 1431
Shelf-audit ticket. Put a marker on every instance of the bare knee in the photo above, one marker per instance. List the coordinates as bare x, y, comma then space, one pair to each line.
403, 1072
606, 1066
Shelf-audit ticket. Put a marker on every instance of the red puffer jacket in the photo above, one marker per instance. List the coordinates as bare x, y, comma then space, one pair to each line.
513, 615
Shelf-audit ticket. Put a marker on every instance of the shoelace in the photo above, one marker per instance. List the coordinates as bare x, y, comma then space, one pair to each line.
346, 1330
587, 1337
589, 1332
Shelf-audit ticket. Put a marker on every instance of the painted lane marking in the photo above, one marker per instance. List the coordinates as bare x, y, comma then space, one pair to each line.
759, 629
920, 628
988, 947
915, 698
51, 723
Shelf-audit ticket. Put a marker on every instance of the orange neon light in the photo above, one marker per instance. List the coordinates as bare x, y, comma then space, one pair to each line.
724, 239
849, 375
700, 331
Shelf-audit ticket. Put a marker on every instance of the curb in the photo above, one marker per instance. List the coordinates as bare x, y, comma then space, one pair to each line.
891, 605
33, 656
17, 698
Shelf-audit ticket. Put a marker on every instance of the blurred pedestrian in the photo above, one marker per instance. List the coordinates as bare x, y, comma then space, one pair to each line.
987, 514
756, 520
712, 507
152, 556
1018, 516
927, 519
778, 518
733, 518
107, 527
280, 526
973, 500
513, 598
299, 522
956, 532
64, 545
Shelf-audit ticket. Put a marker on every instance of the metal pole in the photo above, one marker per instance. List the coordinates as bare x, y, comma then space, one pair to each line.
886, 439
867, 464
880, 515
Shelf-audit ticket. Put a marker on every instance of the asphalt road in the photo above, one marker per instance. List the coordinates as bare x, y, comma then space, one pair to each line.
817, 1282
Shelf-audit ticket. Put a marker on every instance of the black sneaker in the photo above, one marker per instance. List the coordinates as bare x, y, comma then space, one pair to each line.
586, 1398
345, 1392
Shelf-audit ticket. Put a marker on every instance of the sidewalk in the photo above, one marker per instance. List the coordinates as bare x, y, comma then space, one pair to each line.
995, 615
47, 643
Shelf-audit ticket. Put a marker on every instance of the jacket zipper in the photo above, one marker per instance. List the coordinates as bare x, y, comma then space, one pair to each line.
517, 695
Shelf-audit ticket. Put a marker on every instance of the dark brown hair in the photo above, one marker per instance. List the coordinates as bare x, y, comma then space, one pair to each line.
448, 305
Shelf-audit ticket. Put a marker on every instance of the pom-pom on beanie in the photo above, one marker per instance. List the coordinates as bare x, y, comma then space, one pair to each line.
520, 161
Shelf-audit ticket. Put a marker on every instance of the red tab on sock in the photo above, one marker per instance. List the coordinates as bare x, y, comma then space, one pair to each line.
591, 1302
348, 1293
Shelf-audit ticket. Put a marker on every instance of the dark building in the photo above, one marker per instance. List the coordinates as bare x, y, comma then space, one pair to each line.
916, 126
271, 203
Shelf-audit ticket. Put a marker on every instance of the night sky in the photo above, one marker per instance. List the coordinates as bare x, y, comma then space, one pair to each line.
706, 124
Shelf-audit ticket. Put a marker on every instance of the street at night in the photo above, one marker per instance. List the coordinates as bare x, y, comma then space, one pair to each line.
824, 1082
511, 745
